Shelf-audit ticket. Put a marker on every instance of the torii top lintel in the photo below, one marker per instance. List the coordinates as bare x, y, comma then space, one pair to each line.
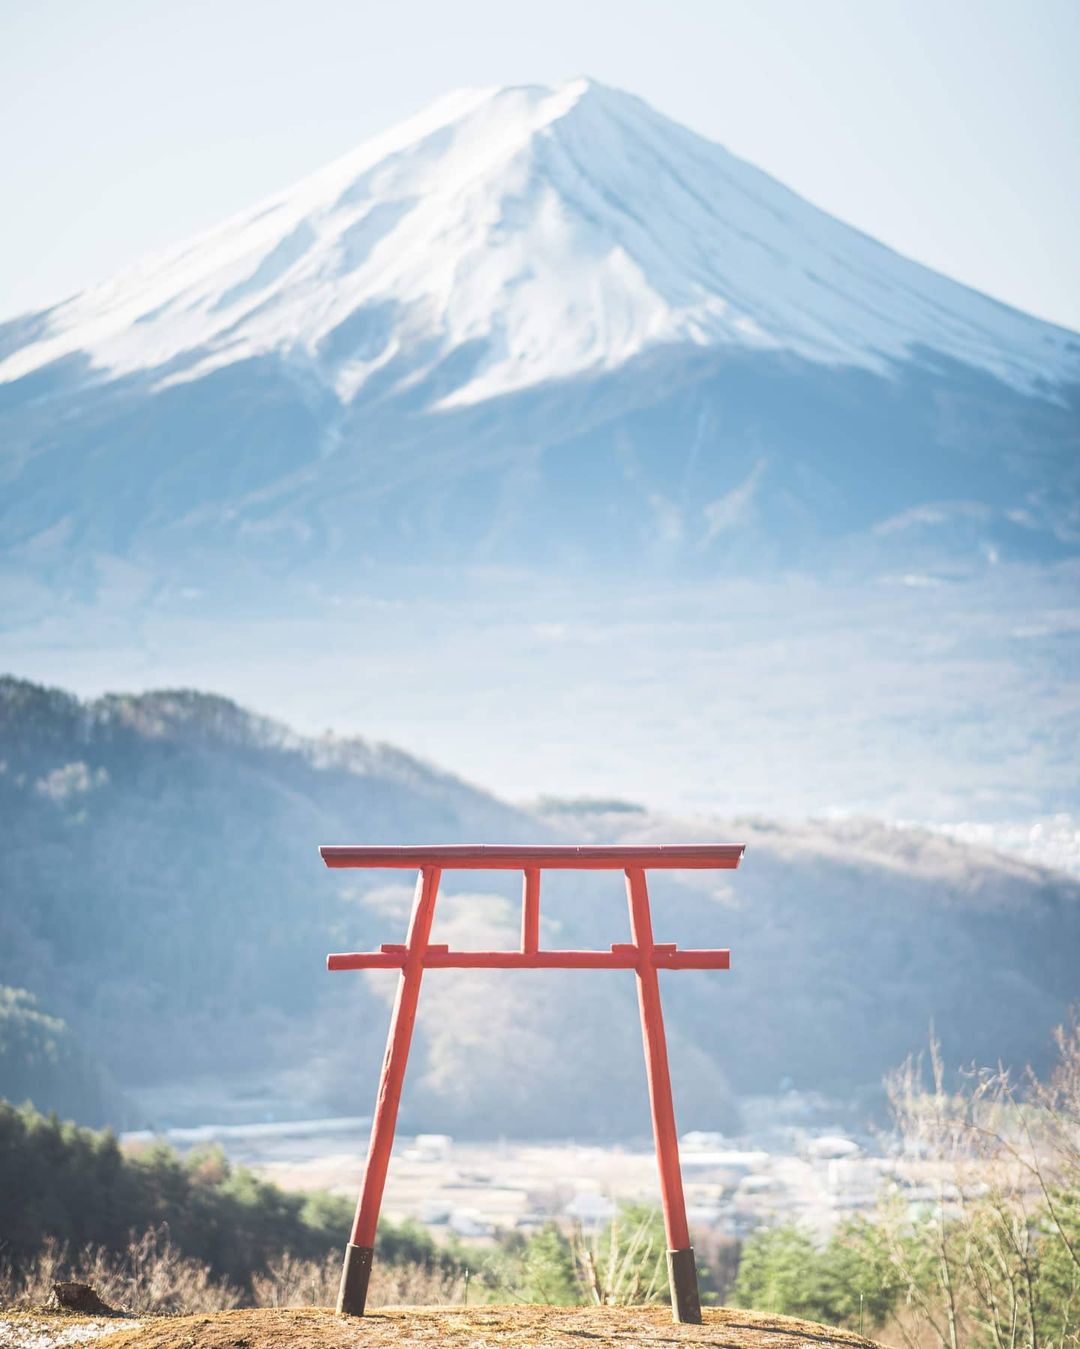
543, 857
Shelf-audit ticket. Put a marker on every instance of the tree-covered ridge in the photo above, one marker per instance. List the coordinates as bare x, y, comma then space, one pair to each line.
160, 886
79, 1188
33, 716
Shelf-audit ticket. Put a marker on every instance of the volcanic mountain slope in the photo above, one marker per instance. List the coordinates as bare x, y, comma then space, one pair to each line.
160, 890
533, 322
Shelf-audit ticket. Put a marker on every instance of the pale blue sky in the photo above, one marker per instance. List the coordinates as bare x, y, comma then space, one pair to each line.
947, 128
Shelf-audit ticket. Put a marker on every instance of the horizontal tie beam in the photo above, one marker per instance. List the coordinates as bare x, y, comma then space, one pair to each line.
618, 958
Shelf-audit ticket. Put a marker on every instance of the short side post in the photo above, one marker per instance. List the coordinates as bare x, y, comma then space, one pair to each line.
530, 911
356, 1272
682, 1269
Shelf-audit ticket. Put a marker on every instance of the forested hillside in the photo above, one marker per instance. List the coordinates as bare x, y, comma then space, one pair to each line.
160, 886
41, 1060
161, 893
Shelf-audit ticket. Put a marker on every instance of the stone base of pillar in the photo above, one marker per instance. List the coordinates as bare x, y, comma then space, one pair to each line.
355, 1275
682, 1279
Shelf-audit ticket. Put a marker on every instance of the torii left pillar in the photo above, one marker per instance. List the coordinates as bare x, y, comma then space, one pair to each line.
356, 1271
642, 955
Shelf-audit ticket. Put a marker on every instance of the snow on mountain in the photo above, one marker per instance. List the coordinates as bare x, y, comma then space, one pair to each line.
548, 233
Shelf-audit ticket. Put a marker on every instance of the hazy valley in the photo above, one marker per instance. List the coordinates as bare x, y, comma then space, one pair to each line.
163, 895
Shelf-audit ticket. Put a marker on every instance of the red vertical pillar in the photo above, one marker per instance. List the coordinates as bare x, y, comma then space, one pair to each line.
356, 1272
682, 1270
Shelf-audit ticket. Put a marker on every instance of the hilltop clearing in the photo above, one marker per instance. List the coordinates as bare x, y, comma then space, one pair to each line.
477, 1328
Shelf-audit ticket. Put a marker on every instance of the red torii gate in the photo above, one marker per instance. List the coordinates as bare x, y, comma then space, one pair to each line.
643, 955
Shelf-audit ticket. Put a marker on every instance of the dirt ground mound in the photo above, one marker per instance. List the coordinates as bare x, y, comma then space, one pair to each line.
478, 1328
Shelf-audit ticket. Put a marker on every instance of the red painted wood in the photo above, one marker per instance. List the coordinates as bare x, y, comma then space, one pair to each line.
643, 955
365, 960
703, 959
513, 857
656, 1065
530, 910
624, 957
397, 1054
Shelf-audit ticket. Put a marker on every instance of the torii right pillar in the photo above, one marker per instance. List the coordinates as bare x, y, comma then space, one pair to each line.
682, 1267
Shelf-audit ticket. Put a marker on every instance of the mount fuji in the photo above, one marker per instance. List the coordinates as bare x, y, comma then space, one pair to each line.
548, 438
532, 326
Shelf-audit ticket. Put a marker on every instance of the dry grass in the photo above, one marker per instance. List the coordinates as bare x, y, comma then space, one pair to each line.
479, 1328
149, 1276
290, 1282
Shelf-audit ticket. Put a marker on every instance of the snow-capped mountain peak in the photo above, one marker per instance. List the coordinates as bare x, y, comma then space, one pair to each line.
533, 234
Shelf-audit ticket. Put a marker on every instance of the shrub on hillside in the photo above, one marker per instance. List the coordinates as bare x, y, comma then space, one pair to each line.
990, 1258
848, 1282
994, 1259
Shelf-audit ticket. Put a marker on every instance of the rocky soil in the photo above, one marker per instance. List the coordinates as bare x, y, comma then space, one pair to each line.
413, 1327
